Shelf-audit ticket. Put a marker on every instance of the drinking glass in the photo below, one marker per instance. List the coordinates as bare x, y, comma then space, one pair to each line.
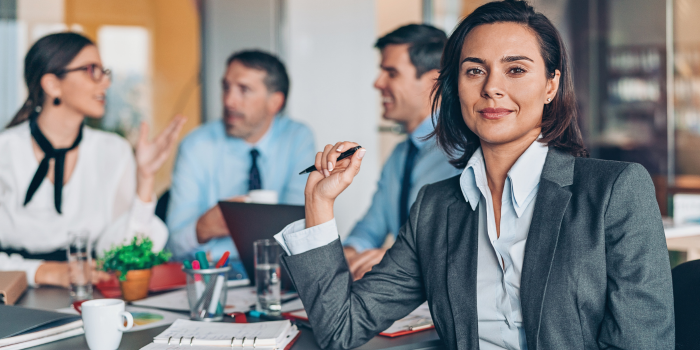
267, 276
79, 265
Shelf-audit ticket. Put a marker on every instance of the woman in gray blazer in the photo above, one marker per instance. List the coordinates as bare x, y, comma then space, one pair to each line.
534, 246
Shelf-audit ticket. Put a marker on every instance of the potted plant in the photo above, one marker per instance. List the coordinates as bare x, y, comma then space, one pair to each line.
132, 264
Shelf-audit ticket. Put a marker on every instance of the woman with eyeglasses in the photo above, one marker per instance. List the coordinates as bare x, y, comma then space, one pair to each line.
534, 246
59, 176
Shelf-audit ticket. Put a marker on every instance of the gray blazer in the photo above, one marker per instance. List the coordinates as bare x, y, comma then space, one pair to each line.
596, 273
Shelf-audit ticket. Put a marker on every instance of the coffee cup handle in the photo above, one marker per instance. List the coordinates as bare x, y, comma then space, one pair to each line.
129, 321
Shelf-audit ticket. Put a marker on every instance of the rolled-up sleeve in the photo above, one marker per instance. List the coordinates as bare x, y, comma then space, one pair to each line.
296, 239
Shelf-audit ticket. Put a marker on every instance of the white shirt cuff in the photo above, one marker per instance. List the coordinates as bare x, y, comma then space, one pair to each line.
297, 239
142, 213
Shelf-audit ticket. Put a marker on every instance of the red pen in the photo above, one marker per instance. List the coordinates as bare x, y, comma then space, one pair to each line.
222, 260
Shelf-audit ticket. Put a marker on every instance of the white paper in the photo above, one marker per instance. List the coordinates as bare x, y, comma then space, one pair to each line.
292, 305
237, 300
419, 317
224, 331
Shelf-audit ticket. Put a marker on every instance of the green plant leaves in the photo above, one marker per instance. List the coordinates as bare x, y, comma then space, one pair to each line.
137, 255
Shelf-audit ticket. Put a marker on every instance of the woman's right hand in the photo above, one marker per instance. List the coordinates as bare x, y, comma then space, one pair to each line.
330, 180
55, 273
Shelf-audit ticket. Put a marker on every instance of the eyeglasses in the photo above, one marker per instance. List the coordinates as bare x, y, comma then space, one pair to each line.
93, 70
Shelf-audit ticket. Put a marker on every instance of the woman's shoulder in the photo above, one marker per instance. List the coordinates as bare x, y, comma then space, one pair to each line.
610, 170
15, 133
443, 191
107, 144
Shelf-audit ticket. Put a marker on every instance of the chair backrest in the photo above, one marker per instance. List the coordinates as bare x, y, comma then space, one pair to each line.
162, 205
686, 296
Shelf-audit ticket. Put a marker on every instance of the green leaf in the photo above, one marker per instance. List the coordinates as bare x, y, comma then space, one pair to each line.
136, 255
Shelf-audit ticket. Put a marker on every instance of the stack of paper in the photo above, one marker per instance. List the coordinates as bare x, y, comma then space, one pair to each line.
22, 328
276, 335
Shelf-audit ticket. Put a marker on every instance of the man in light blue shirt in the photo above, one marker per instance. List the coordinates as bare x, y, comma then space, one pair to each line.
410, 62
252, 147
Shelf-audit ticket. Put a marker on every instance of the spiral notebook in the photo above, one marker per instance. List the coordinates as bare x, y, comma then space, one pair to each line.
276, 335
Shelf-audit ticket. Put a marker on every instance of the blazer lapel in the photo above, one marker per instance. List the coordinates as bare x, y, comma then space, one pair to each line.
462, 245
552, 200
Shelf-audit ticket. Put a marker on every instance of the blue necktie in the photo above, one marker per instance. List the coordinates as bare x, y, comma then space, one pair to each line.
406, 182
254, 181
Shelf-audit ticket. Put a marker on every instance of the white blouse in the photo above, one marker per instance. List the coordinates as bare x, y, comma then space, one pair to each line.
100, 197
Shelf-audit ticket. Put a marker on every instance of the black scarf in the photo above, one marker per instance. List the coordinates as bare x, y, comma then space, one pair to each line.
49, 152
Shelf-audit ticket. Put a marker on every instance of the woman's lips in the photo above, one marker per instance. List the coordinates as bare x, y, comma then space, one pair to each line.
495, 113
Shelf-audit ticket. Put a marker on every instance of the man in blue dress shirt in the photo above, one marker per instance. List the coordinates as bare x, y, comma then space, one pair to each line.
252, 147
410, 62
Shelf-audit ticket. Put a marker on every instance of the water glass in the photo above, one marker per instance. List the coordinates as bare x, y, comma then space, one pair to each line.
79, 265
267, 276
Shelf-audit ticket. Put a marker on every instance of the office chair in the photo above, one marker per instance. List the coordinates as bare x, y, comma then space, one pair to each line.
162, 205
686, 296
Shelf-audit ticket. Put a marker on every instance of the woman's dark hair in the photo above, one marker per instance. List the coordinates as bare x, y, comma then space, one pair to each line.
49, 55
559, 118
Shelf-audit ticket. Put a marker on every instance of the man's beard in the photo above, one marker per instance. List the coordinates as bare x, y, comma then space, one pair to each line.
240, 131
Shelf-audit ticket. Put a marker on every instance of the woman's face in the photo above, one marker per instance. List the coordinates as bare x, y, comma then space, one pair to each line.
78, 90
503, 84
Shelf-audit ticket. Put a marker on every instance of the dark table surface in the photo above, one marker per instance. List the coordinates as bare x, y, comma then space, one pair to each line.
56, 298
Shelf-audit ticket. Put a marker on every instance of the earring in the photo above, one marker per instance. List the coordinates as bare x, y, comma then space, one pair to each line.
56, 101
549, 100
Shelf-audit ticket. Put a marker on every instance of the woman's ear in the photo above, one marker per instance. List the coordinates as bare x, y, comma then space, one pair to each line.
552, 87
51, 86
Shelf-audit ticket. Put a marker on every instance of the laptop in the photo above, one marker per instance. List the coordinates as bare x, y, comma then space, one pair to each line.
249, 222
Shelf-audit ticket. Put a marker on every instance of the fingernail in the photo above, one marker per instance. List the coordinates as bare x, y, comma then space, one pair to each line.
340, 149
330, 166
361, 153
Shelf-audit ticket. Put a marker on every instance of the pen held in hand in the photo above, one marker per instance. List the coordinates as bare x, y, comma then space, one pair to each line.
342, 156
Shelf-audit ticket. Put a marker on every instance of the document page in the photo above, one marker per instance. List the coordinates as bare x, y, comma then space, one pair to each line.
418, 319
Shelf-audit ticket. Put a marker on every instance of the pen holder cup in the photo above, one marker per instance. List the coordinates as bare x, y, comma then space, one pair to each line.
206, 293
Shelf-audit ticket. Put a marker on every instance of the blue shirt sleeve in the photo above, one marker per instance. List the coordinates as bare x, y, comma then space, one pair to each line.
186, 201
304, 155
370, 232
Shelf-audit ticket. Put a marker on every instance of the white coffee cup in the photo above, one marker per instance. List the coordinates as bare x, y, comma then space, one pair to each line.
103, 320
263, 197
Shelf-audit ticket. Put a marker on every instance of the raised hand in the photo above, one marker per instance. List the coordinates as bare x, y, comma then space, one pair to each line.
330, 180
150, 155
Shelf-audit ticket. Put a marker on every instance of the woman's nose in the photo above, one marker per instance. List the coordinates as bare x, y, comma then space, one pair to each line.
493, 86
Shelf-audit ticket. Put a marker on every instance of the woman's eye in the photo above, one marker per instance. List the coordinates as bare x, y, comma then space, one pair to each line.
517, 70
474, 71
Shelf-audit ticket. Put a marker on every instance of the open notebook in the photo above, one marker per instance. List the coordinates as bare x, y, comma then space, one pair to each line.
276, 335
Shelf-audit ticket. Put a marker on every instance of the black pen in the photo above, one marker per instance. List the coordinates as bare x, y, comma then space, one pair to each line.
343, 155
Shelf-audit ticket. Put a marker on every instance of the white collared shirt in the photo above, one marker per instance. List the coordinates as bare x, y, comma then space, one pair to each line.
99, 197
498, 287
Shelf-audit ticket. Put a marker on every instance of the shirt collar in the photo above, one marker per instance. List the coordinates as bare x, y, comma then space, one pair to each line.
423, 129
265, 143
524, 177
468, 180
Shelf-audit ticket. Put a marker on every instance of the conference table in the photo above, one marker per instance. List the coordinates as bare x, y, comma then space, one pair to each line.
49, 298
